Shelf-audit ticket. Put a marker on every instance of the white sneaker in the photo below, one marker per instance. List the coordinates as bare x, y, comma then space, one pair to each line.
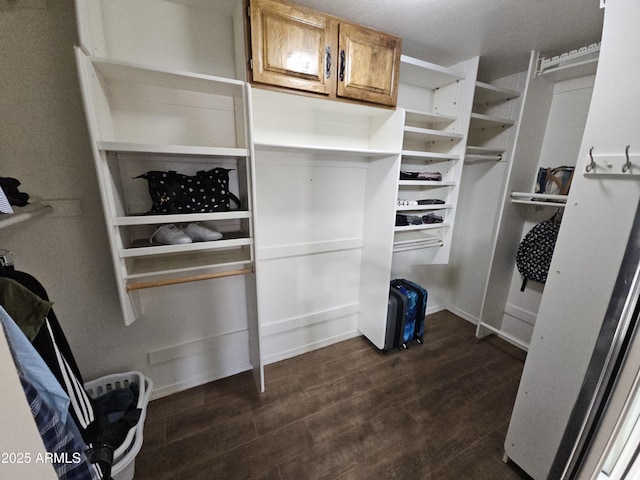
169, 235
201, 233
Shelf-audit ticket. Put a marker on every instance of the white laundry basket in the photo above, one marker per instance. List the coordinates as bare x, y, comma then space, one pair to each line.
125, 455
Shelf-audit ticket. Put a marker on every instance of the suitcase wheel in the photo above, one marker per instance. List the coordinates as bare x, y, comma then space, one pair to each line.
403, 346
419, 340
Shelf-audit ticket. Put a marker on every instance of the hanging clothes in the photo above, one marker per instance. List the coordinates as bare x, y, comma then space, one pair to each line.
49, 406
51, 344
61, 439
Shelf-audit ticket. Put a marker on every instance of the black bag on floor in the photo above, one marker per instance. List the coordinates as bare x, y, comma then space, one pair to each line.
416, 310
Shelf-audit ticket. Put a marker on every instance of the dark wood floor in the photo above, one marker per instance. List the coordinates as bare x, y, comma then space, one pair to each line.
436, 411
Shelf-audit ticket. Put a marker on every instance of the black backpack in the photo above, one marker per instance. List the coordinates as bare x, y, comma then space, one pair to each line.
536, 249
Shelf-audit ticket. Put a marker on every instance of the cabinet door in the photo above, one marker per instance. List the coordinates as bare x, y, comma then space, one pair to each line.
369, 65
292, 46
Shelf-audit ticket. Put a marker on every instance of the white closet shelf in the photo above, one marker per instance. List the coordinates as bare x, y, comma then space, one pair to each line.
179, 218
486, 94
417, 208
227, 242
427, 75
216, 260
337, 151
427, 226
427, 118
482, 158
490, 151
429, 155
544, 199
483, 154
127, 147
426, 183
24, 214
479, 120
417, 244
309, 248
429, 134
573, 70
150, 75
506, 336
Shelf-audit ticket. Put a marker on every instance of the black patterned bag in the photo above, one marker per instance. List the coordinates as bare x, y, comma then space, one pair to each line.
535, 251
206, 191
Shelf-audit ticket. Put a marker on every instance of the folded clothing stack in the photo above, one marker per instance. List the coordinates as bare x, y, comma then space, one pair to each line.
406, 220
433, 176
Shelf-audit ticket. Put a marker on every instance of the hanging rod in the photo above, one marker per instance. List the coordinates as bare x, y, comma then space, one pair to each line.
23, 214
193, 278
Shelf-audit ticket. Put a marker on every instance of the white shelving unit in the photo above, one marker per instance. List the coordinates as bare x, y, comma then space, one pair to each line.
326, 179
129, 141
437, 104
492, 117
554, 109
163, 89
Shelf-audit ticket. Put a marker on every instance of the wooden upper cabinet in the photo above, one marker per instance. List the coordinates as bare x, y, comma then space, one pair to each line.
292, 46
369, 64
299, 48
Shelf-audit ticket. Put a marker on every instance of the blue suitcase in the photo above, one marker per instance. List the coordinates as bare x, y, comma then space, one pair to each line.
417, 296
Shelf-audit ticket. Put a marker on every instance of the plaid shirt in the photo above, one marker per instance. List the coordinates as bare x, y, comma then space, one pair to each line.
66, 450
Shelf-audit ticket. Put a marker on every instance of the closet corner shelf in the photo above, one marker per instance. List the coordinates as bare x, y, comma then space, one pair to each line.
473, 150
179, 218
542, 199
427, 75
504, 335
569, 71
427, 118
167, 78
427, 183
479, 120
472, 158
486, 94
428, 226
429, 134
24, 214
125, 147
483, 154
429, 155
417, 244
328, 150
416, 208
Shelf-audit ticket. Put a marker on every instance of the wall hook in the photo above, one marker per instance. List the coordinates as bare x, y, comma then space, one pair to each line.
591, 164
627, 164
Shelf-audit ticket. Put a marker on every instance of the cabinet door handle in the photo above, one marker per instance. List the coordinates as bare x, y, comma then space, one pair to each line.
327, 61
342, 65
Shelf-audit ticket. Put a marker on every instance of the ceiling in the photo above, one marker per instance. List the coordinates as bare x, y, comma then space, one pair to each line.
501, 32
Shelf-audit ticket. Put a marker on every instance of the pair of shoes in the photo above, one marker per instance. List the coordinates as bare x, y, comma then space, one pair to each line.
170, 234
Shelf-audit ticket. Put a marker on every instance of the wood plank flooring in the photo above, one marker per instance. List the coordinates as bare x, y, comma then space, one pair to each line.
435, 411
